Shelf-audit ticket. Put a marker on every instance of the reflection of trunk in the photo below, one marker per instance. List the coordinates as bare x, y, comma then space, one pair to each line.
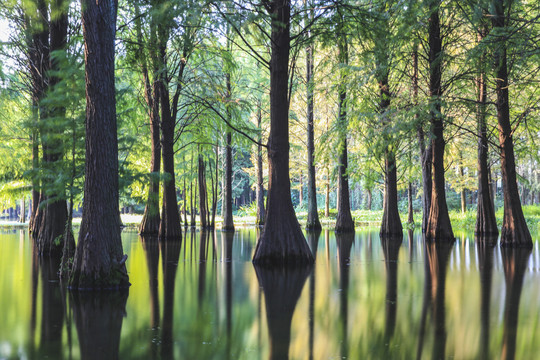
313, 239
344, 221
98, 318
344, 246
52, 314
514, 230
282, 240
203, 254
227, 238
391, 247
515, 264
485, 248
170, 253
282, 288
151, 249
438, 226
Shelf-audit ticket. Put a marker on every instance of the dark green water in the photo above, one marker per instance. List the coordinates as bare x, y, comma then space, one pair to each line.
203, 299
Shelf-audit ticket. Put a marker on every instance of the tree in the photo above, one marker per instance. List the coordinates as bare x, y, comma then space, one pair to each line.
514, 230
438, 227
344, 220
99, 261
313, 223
281, 241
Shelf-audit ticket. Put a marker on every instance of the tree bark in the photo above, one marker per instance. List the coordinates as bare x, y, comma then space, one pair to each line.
151, 217
99, 261
203, 209
438, 227
282, 241
313, 222
344, 221
228, 221
514, 230
261, 213
486, 223
410, 212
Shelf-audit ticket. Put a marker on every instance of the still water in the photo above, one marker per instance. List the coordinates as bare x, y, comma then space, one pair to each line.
203, 299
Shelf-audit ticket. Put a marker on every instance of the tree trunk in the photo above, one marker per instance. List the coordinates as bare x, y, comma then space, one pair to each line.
169, 227
313, 222
486, 223
369, 197
410, 212
438, 227
514, 229
203, 210
344, 221
327, 198
151, 217
228, 221
282, 241
261, 213
99, 261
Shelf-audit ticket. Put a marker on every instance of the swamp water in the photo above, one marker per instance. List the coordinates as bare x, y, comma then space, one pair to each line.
203, 299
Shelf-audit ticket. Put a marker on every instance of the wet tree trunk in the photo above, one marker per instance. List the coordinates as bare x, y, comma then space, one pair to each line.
151, 217
261, 213
344, 221
486, 223
99, 261
438, 227
228, 221
282, 241
313, 222
514, 230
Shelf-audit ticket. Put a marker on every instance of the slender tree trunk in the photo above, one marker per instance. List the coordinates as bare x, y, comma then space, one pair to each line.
170, 226
202, 193
462, 193
438, 227
261, 213
282, 241
99, 261
327, 196
425, 153
228, 221
344, 221
313, 222
514, 229
410, 212
151, 217
486, 223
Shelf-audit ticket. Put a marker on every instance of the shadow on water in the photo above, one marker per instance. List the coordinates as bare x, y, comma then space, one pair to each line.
515, 264
98, 318
344, 244
437, 254
282, 288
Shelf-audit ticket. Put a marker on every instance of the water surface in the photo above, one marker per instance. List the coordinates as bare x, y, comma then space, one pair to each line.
203, 299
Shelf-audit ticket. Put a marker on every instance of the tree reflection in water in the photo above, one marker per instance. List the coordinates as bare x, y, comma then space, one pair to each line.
282, 288
437, 254
344, 243
98, 318
485, 246
515, 264
313, 241
391, 246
